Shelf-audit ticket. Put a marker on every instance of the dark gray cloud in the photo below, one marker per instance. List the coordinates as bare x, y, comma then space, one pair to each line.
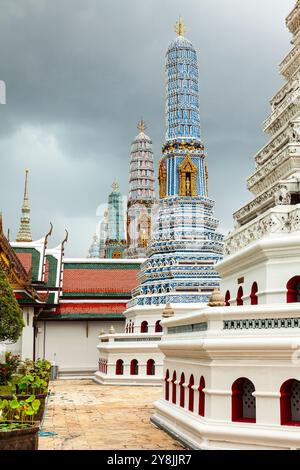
80, 74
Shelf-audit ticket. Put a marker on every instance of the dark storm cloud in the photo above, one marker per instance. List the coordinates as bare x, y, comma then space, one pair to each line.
79, 75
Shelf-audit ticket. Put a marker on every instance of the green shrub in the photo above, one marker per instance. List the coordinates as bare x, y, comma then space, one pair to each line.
11, 316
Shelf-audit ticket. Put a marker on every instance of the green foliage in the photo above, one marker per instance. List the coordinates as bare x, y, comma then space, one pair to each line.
31, 383
8, 368
11, 316
13, 426
23, 410
40, 368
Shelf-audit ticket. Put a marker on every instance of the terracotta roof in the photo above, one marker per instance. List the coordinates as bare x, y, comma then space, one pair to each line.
100, 280
90, 308
26, 260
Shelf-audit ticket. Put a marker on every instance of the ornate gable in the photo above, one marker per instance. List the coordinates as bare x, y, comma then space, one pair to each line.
187, 177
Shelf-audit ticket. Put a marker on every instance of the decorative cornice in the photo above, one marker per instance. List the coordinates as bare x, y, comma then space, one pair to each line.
293, 19
278, 220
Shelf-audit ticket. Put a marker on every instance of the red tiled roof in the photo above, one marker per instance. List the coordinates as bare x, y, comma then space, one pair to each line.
26, 260
89, 308
99, 280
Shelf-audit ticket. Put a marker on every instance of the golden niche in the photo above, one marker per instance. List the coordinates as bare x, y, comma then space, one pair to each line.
187, 177
162, 178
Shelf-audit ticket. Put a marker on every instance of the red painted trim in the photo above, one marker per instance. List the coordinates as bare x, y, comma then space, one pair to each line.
150, 367
167, 385
291, 286
286, 404
119, 367
174, 388
253, 295
227, 299
201, 409
239, 299
237, 402
182, 391
144, 327
134, 367
191, 394
158, 327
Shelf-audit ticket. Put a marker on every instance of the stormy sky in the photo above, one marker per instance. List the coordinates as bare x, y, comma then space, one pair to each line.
80, 74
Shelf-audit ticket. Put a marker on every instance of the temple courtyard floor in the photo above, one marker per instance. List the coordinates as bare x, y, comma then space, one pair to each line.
87, 416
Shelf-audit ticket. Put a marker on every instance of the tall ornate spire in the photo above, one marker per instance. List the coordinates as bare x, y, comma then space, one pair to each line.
185, 244
24, 234
115, 243
141, 194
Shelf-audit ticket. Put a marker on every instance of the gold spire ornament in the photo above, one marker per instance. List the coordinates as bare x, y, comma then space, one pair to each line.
180, 29
24, 234
142, 126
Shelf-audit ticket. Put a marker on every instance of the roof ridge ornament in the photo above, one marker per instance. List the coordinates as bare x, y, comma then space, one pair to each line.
180, 29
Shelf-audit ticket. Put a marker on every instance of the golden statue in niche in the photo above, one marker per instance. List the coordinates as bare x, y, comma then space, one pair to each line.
206, 180
162, 178
188, 177
188, 185
143, 239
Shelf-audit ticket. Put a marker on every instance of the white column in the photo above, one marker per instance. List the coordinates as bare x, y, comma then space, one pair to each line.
27, 333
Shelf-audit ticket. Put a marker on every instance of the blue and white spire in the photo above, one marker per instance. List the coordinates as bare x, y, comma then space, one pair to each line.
182, 101
185, 245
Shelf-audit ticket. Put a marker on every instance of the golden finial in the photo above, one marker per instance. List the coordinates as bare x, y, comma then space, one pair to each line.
142, 126
180, 28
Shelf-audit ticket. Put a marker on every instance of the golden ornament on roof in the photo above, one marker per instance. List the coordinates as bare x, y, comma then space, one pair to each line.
141, 126
180, 28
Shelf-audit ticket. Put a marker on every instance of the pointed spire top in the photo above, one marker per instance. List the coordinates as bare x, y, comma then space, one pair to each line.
115, 186
24, 234
142, 126
26, 198
180, 28
26, 184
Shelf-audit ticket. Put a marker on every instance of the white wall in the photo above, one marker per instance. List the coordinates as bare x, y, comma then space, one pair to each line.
74, 351
271, 267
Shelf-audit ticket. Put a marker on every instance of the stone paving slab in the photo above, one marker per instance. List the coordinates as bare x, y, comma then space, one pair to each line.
89, 416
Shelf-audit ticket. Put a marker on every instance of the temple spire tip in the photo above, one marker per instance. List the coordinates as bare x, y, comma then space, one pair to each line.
180, 28
24, 234
142, 125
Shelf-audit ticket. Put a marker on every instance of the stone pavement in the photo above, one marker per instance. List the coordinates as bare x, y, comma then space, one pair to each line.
88, 416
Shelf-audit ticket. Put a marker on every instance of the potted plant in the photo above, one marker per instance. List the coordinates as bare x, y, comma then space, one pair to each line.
18, 428
31, 384
14, 434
